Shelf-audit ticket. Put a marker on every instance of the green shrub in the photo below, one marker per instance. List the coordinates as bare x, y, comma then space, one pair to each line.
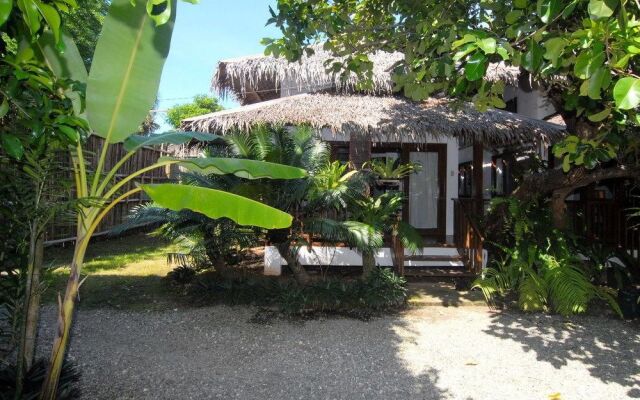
68, 388
382, 291
544, 274
182, 274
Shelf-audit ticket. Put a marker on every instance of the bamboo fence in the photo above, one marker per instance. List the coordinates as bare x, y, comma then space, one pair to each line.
64, 229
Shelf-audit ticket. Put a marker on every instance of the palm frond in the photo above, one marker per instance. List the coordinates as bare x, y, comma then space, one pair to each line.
144, 214
411, 239
391, 169
241, 144
357, 234
262, 142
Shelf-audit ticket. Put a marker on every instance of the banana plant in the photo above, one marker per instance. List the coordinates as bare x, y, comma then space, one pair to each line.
120, 89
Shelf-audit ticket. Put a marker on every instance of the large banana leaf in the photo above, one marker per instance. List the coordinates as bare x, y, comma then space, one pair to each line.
126, 68
242, 168
218, 204
133, 143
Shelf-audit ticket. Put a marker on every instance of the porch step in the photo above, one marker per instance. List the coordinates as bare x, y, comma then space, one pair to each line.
437, 272
434, 258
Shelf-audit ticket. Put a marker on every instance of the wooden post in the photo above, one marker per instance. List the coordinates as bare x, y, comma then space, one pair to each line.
359, 150
478, 176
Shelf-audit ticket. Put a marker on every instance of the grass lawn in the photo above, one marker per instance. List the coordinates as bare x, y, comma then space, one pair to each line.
121, 273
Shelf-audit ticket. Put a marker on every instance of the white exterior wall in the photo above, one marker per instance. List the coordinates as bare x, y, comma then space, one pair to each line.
344, 256
534, 104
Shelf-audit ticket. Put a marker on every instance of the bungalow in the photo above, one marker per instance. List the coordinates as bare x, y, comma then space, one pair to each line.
460, 147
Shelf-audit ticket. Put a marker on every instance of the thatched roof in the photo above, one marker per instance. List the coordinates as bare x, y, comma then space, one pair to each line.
257, 78
384, 118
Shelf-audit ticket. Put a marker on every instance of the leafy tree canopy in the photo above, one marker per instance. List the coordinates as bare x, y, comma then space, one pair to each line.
85, 23
201, 104
582, 53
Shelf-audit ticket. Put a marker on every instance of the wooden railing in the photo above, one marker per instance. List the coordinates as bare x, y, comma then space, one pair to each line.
467, 235
606, 221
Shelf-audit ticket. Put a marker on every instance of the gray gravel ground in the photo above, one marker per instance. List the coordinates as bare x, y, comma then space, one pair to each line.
428, 353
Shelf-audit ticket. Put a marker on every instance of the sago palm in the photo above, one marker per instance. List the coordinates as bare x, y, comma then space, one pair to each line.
382, 214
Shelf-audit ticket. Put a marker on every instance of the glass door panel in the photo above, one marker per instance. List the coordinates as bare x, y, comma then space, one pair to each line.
424, 191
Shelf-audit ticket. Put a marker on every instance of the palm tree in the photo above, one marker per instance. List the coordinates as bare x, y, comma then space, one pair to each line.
382, 213
331, 205
315, 202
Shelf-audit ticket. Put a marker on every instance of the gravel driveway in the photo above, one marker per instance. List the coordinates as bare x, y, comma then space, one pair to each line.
428, 353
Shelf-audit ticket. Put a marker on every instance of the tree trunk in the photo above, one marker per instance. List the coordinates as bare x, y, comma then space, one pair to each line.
558, 208
559, 184
299, 273
31, 309
65, 317
368, 264
215, 258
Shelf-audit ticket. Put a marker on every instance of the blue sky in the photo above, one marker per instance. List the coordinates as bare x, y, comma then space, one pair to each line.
204, 34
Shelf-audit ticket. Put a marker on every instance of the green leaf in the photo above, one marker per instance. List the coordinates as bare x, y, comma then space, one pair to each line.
67, 64
566, 164
70, 133
626, 93
126, 68
5, 10
532, 59
52, 17
547, 9
601, 8
4, 108
475, 67
159, 17
587, 63
30, 14
520, 3
554, 48
135, 142
504, 53
600, 79
597, 117
243, 168
488, 45
218, 204
513, 16
12, 145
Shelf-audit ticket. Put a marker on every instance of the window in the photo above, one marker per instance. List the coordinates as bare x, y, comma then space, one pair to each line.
502, 182
465, 180
512, 105
340, 152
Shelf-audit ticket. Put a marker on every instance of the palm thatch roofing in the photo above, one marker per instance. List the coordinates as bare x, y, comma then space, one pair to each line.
257, 78
383, 118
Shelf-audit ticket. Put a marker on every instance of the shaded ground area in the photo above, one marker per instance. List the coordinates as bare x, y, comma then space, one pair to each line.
132, 341
442, 293
424, 353
124, 272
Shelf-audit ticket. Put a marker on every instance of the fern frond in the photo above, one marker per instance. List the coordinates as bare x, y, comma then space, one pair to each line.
569, 289
532, 294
